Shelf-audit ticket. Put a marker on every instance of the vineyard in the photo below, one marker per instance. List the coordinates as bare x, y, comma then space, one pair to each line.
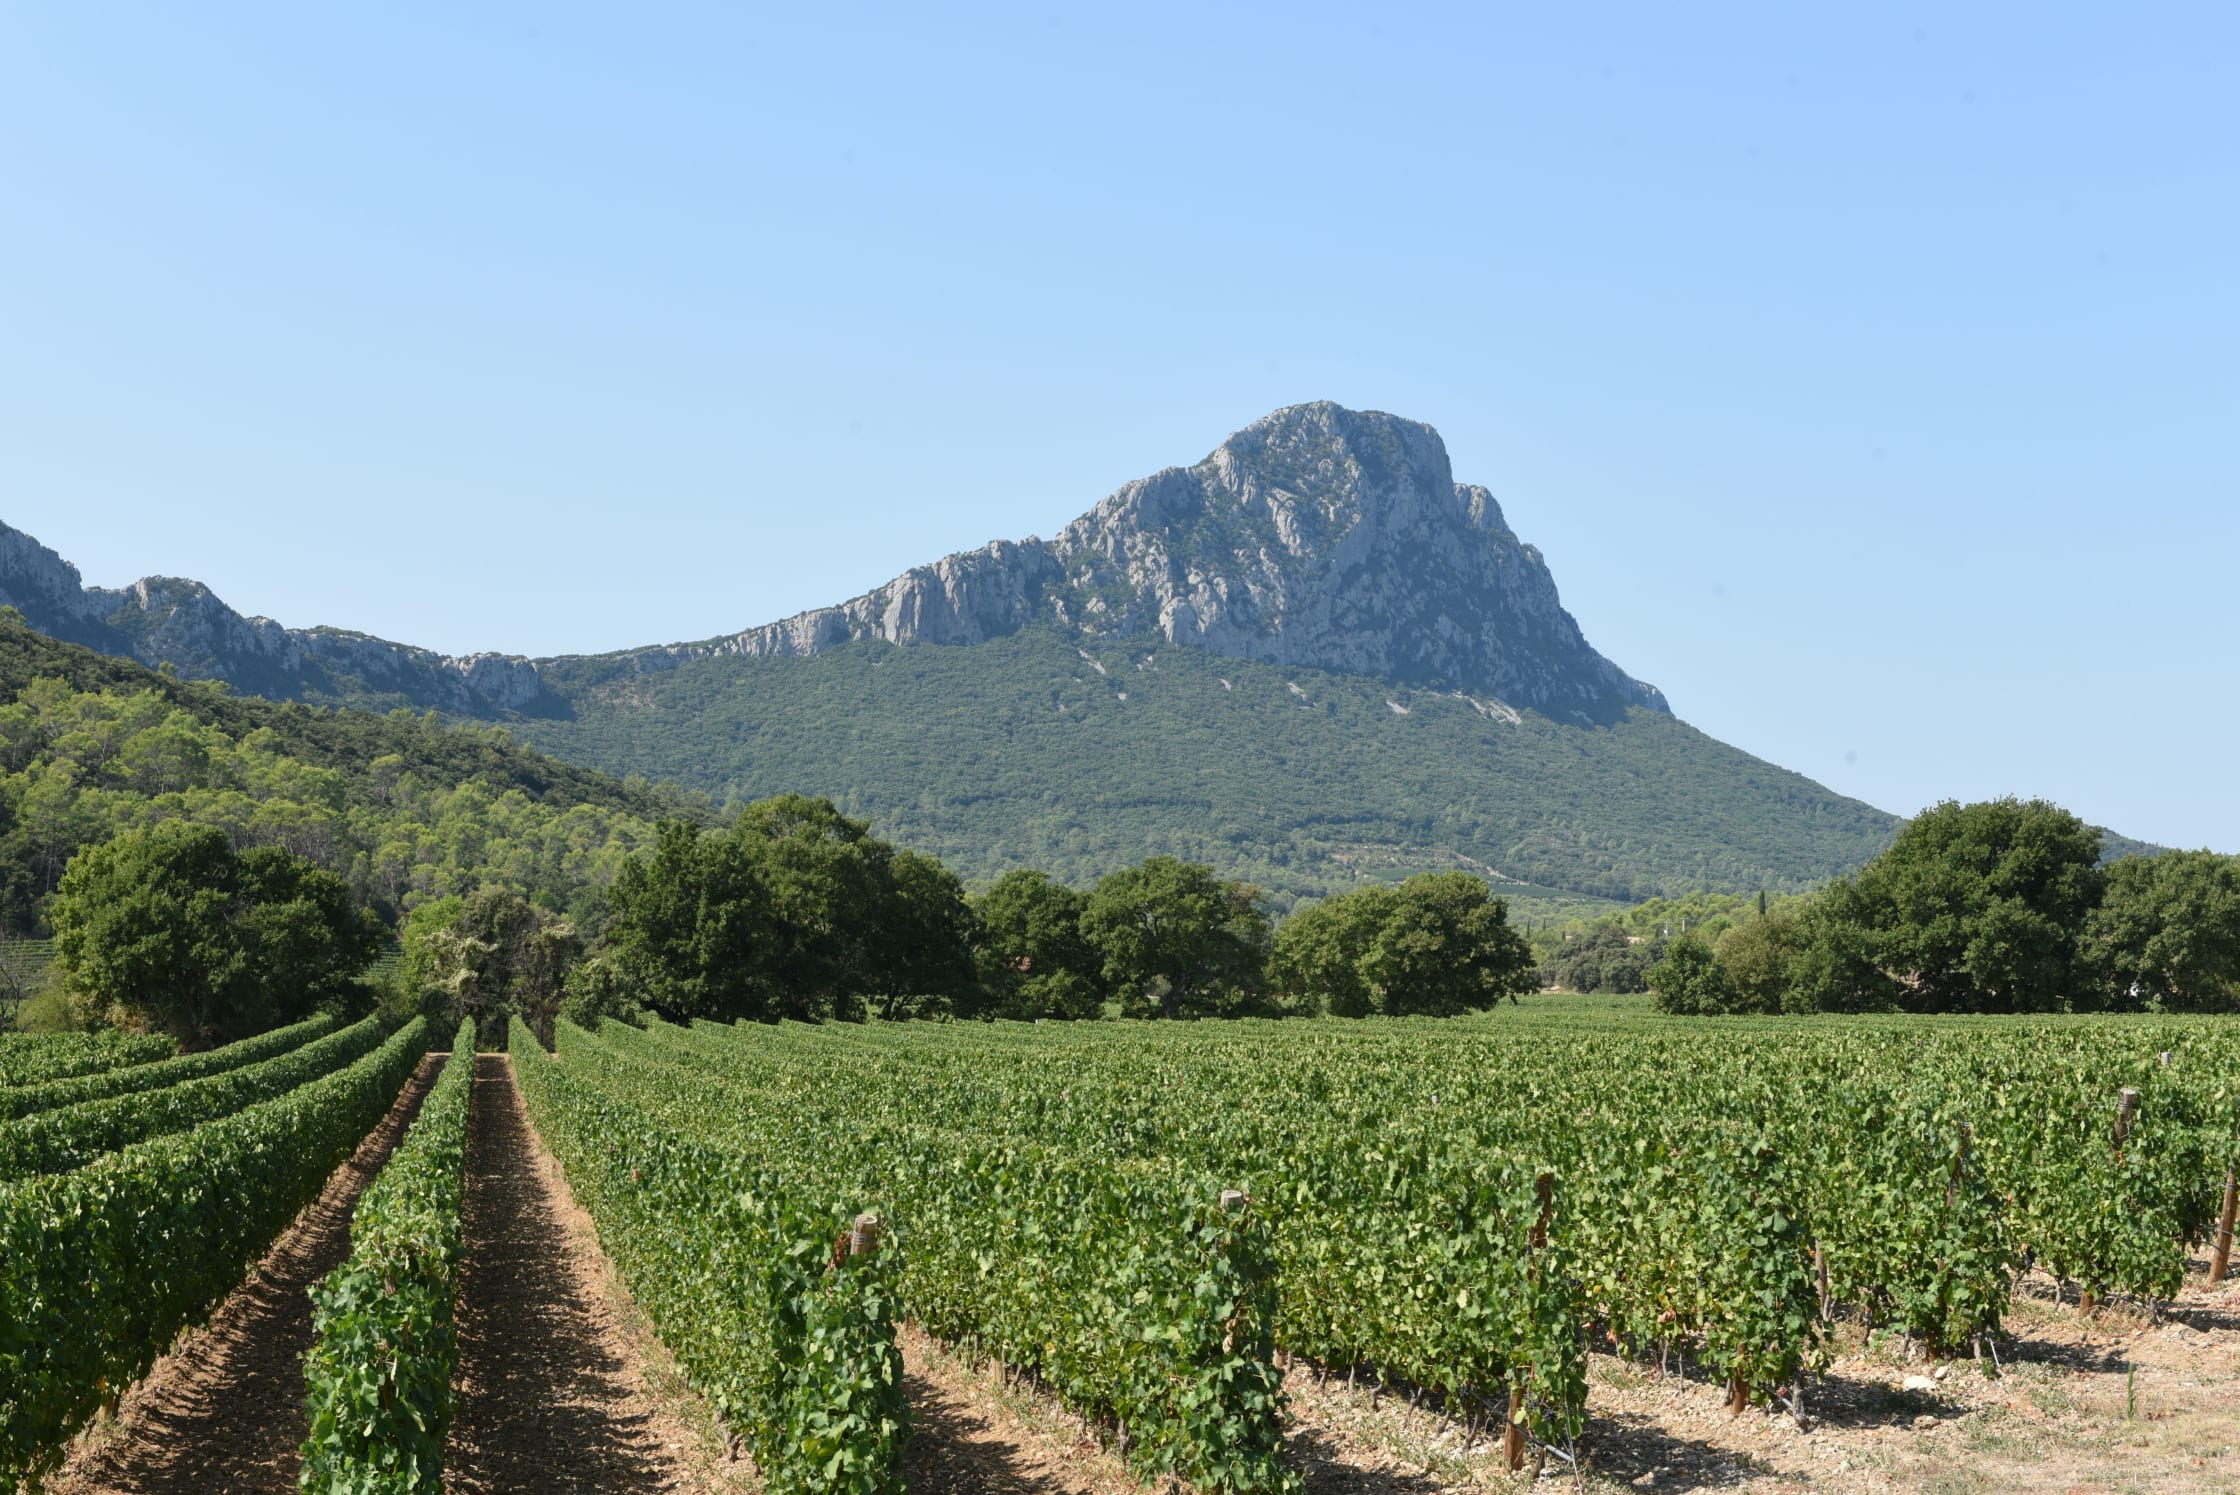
1157, 1225
1183, 1237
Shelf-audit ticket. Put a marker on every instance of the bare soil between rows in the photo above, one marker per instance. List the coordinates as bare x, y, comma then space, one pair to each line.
222, 1414
556, 1391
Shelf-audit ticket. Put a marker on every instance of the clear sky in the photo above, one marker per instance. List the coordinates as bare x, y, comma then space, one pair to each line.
1866, 374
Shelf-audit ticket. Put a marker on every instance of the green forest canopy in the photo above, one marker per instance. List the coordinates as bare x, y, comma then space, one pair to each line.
400, 806
1036, 750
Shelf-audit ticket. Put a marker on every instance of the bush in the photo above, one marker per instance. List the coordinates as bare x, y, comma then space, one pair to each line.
1689, 982
1605, 958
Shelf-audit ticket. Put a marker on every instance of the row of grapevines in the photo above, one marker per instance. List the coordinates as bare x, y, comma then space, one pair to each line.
379, 1370
1414, 1241
100, 1268
58, 1141
779, 1309
1133, 1289
1708, 1178
35, 1058
27, 1099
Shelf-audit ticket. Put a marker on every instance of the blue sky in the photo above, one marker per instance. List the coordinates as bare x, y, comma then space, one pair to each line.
1868, 379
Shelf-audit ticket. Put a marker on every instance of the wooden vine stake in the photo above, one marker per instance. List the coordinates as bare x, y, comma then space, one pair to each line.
1512, 1441
2127, 1106
2221, 1262
1960, 1158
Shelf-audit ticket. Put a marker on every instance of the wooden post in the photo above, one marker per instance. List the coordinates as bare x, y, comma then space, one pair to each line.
1543, 1186
2127, 1105
1738, 1396
863, 1240
1512, 1442
2221, 1263
1820, 1267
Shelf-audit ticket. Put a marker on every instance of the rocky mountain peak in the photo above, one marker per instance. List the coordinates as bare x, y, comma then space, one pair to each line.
1318, 537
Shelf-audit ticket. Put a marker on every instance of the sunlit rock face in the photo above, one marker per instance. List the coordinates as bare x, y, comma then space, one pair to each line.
1320, 537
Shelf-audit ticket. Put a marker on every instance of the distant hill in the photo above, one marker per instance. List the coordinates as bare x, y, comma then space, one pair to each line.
165, 620
401, 806
347, 742
1043, 749
1311, 658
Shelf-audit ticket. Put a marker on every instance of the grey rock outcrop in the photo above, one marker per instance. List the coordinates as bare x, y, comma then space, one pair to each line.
1318, 537
162, 620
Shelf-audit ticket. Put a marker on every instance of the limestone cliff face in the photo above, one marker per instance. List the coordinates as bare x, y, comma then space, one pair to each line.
1319, 537
166, 620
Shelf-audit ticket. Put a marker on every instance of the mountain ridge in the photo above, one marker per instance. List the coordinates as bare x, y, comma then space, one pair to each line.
165, 620
1317, 537
1312, 658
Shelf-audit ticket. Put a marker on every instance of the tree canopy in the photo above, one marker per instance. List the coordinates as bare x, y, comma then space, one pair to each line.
1035, 962
2167, 931
1178, 940
1436, 944
489, 954
1604, 957
2000, 906
171, 928
794, 910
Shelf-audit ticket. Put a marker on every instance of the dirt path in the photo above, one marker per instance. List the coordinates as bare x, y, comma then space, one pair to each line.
562, 1385
223, 1413
973, 1435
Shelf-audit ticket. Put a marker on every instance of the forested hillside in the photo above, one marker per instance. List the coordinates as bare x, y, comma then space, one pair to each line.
1042, 750
400, 805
